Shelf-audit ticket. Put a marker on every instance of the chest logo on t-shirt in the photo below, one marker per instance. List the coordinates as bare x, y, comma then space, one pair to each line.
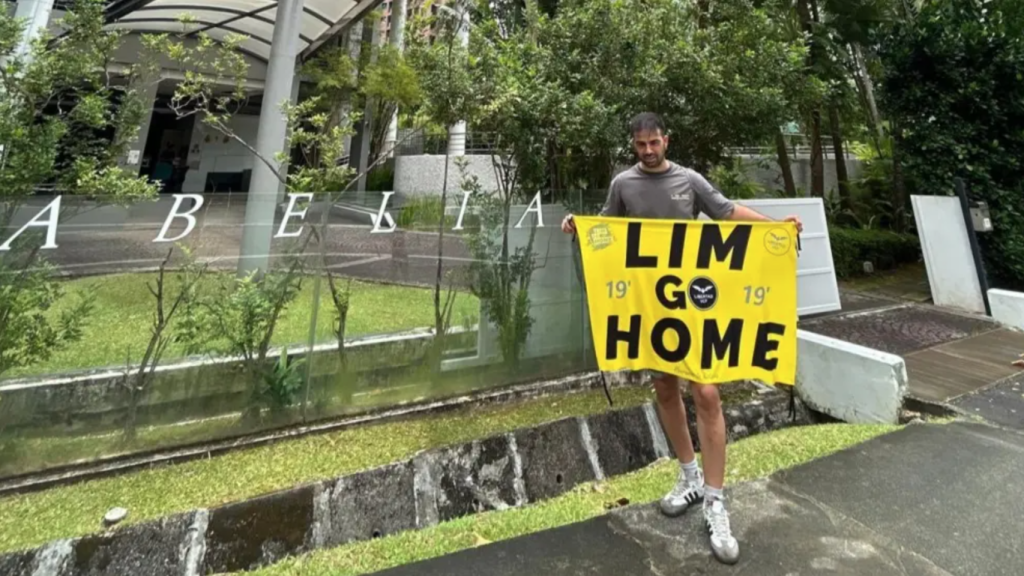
681, 196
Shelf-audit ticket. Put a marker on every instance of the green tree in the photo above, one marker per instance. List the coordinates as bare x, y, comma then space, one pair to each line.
953, 82
56, 103
443, 63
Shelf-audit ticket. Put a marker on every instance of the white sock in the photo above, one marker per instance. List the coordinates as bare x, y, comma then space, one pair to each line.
712, 494
691, 471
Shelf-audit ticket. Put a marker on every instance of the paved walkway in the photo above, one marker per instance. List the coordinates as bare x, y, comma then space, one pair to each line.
948, 354
927, 500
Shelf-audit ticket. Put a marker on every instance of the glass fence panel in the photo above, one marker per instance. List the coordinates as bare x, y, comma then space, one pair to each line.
162, 323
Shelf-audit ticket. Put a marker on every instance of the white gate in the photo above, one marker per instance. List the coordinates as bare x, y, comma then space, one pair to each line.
947, 253
817, 289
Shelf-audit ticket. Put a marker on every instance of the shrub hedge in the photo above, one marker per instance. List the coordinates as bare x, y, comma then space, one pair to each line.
851, 247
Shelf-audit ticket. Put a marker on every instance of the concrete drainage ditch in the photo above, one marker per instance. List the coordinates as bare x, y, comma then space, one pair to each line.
496, 473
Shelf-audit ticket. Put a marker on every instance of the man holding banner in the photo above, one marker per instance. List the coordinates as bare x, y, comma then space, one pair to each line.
653, 282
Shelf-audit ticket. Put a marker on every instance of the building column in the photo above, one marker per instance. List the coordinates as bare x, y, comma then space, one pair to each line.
282, 189
261, 203
353, 43
457, 133
360, 153
398, 8
135, 151
36, 14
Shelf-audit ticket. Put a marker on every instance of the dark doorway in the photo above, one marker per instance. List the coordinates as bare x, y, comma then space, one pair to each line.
165, 158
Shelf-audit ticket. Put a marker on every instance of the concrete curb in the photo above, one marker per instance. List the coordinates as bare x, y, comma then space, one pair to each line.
850, 382
496, 473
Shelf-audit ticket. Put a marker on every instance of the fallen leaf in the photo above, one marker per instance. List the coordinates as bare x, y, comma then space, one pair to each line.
1018, 363
600, 488
479, 540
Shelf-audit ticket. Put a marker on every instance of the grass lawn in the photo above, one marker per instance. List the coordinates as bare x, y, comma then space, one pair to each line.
748, 459
32, 519
120, 323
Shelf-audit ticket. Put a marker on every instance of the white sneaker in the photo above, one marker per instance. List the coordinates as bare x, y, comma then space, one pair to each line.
725, 548
683, 495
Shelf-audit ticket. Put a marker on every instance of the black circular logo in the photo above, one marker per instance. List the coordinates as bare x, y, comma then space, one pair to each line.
703, 293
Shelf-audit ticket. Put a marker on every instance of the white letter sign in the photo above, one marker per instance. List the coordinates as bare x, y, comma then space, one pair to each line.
290, 213
50, 223
383, 216
178, 199
533, 207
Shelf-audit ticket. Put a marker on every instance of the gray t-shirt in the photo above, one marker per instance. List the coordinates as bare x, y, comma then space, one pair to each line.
676, 194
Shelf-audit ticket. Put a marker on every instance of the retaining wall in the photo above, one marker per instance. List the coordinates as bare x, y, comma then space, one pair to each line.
195, 388
496, 473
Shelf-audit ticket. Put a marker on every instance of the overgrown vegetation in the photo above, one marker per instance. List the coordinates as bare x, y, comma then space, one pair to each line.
953, 86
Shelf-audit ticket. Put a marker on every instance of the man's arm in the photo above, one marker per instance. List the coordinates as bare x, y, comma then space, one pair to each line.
745, 214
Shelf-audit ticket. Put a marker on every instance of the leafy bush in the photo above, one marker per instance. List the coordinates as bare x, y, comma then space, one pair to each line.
381, 178
732, 180
424, 212
884, 249
282, 383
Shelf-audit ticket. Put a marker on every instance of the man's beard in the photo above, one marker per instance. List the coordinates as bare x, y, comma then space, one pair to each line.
654, 161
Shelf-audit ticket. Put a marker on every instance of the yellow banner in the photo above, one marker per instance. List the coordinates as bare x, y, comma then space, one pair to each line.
711, 302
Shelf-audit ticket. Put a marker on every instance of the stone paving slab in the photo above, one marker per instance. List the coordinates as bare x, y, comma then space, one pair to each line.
949, 492
783, 533
926, 500
1002, 403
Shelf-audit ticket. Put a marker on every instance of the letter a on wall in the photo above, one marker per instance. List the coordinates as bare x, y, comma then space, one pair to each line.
709, 302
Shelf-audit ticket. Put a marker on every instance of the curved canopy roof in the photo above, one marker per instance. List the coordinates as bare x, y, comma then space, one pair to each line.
321, 19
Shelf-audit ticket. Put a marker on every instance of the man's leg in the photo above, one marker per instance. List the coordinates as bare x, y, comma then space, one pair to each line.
689, 487
711, 431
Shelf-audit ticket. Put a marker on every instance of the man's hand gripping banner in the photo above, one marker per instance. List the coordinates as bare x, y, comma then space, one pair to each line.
711, 302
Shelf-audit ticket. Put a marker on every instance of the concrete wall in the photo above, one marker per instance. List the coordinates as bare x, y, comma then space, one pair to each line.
423, 175
947, 253
1007, 307
771, 177
211, 151
849, 382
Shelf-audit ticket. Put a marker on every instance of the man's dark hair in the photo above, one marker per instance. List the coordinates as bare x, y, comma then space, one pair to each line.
646, 122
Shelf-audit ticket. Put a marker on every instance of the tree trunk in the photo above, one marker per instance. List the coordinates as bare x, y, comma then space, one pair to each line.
837, 144
784, 166
817, 156
807, 11
130, 429
869, 95
899, 192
